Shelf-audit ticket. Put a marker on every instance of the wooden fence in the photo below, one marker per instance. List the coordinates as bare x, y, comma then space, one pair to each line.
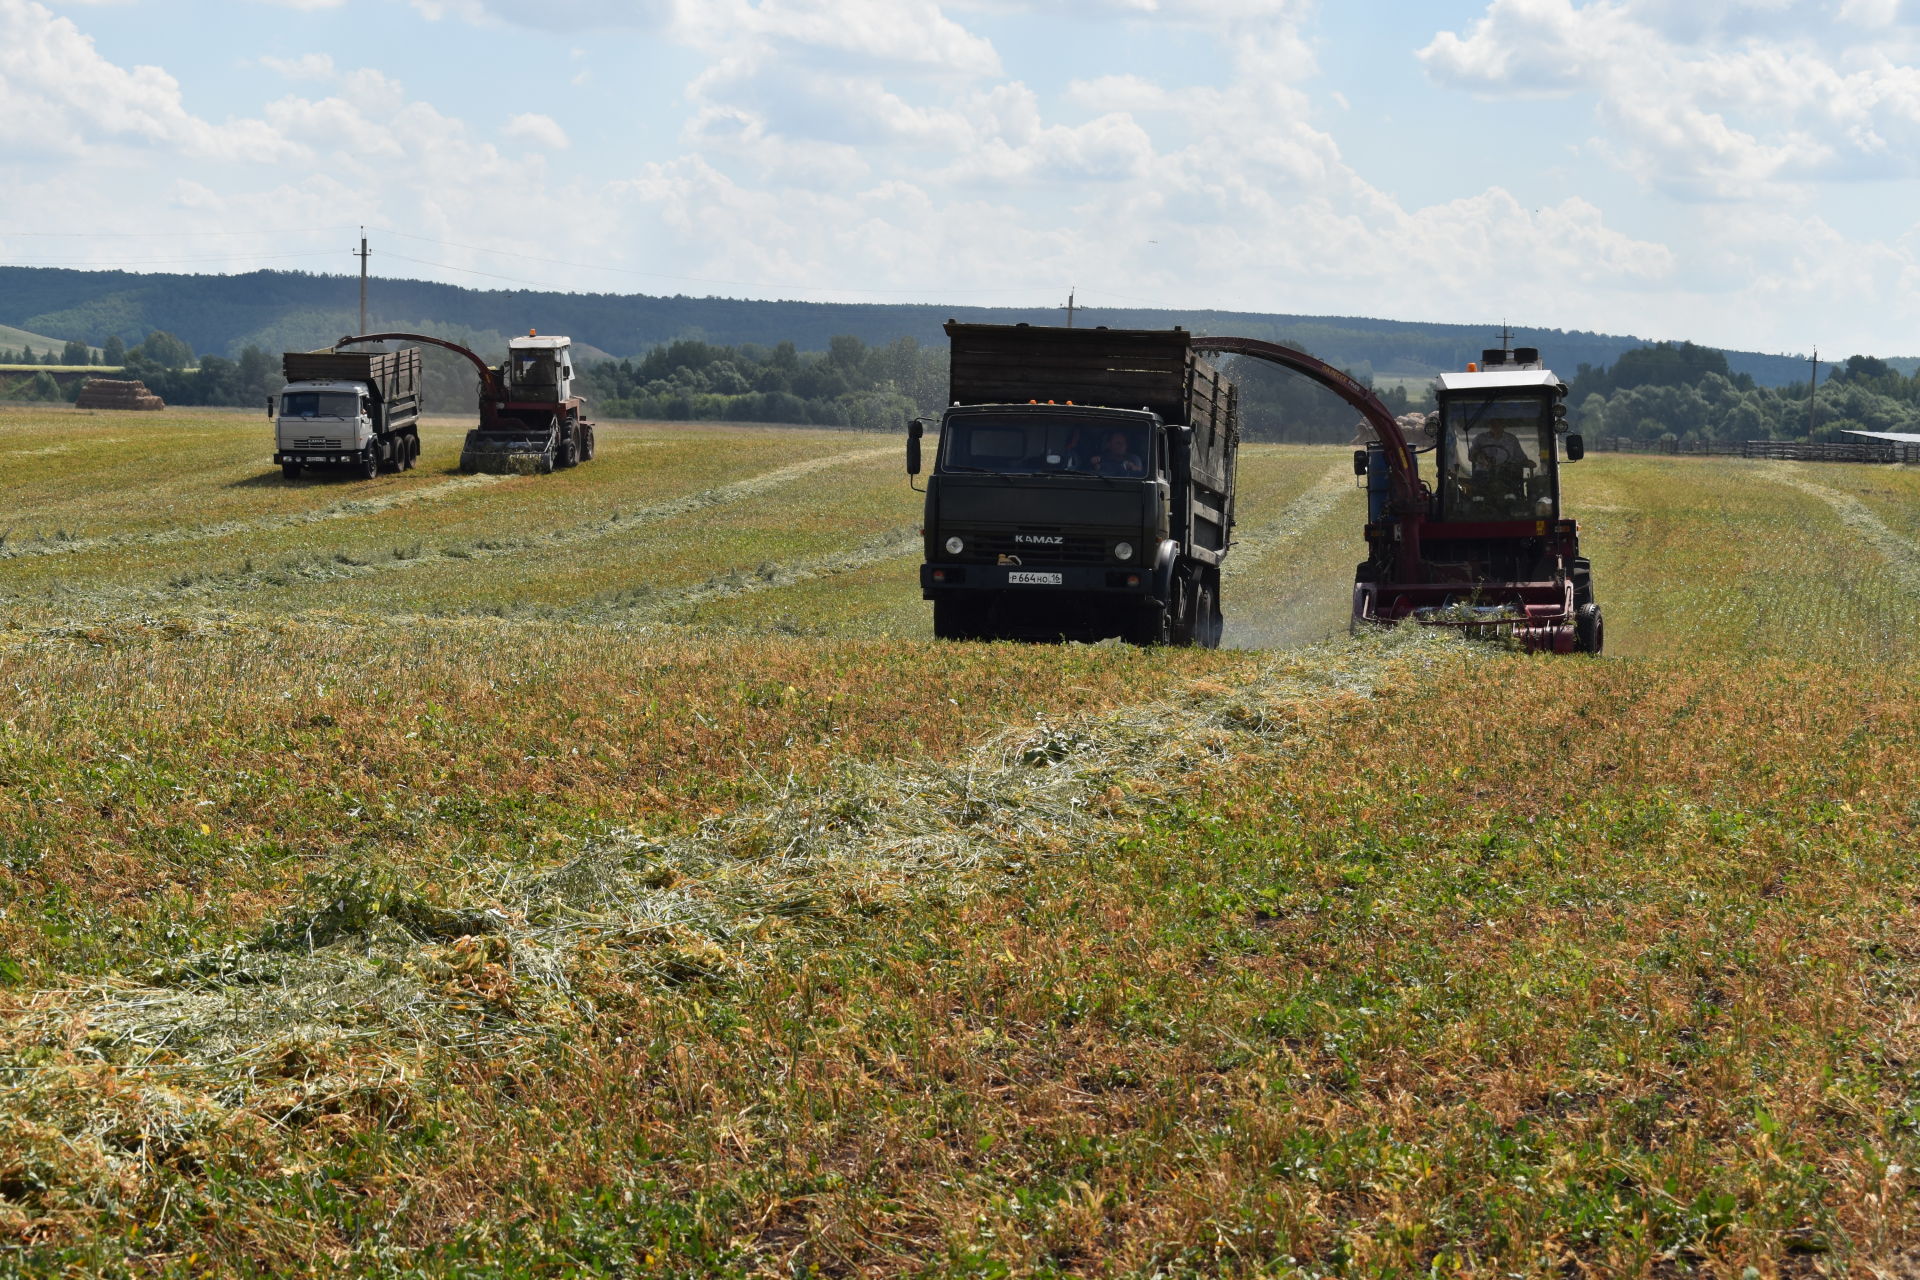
1785, 450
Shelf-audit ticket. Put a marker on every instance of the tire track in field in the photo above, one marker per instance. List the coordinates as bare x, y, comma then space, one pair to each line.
1901, 554
1273, 617
319, 567
203, 532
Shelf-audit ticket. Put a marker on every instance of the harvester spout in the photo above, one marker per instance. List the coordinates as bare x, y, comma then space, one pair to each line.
1409, 496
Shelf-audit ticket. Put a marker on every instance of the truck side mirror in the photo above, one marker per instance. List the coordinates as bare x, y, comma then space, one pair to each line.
269, 406
1576, 448
915, 430
1360, 462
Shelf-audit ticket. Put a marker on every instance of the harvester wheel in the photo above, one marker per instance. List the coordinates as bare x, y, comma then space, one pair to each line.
1589, 629
290, 470
569, 445
586, 442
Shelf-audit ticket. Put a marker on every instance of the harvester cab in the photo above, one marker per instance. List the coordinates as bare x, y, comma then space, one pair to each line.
539, 370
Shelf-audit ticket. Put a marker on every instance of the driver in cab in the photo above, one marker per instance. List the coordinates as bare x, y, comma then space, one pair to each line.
1497, 450
1116, 457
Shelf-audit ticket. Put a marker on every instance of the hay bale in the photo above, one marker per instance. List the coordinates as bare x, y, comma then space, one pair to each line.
115, 393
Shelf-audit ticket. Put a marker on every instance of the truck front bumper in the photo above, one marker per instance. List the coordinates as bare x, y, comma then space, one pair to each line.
320, 457
1038, 581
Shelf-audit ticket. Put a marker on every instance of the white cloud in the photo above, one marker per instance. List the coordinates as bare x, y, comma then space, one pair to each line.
543, 133
308, 66
1728, 99
59, 93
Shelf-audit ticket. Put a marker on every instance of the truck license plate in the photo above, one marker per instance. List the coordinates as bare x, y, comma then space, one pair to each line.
1016, 578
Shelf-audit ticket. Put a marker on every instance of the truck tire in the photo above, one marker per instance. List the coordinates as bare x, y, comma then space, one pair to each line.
370, 465
409, 452
290, 470
1150, 625
956, 619
1207, 623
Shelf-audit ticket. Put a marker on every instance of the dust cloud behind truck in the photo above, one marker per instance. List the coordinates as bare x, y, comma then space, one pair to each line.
1082, 486
354, 409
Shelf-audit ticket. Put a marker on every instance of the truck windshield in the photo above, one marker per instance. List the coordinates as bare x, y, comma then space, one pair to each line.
1494, 458
319, 404
1010, 445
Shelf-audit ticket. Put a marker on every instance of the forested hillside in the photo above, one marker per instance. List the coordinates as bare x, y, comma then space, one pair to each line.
279, 310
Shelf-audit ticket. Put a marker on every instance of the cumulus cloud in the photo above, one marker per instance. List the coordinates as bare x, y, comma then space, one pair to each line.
1724, 99
58, 93
543, 133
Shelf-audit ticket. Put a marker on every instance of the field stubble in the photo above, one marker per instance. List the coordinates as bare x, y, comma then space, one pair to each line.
336, 937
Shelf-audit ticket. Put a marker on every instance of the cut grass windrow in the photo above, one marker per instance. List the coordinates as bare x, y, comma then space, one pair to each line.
1900, 553
321, 567
228, 528
650, 603
338, 1006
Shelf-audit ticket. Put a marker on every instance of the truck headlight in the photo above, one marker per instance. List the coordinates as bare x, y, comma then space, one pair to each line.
1123, 551
955, 546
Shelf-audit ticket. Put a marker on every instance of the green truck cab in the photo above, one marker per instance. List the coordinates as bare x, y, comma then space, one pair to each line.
1081, 487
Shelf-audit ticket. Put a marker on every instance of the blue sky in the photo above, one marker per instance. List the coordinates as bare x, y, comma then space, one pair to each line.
1741, 172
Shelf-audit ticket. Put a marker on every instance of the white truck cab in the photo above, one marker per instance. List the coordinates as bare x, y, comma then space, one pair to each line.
325, 415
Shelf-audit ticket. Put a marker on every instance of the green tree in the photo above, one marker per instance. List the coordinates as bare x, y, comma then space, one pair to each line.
75, 352
165, 350
113, 351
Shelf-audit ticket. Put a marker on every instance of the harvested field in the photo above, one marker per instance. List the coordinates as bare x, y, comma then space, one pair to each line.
602, 873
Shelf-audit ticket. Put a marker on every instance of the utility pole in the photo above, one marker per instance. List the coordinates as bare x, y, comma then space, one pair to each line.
1070, 296
362, 255
1813, 387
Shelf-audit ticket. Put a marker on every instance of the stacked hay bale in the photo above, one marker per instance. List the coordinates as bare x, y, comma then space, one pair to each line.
112, 393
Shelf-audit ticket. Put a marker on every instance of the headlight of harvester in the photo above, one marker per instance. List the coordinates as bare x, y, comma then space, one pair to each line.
955, 546
1123, 551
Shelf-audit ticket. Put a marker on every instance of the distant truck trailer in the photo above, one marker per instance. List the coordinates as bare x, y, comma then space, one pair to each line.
354, 409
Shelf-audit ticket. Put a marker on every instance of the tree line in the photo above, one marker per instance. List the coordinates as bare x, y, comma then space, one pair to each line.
1687, 393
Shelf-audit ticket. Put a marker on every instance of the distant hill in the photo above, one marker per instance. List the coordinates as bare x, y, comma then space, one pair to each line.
12, 339
280, 310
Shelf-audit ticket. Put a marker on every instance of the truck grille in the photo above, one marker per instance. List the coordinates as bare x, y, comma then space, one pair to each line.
316, 442
988, 548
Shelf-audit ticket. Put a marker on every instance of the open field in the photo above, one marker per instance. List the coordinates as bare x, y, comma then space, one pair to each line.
602, 873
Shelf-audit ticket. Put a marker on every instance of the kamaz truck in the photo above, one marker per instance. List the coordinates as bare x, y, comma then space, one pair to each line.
1082, 487
353, 409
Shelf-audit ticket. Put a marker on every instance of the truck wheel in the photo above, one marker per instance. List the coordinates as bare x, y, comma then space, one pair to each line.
1206, 618
586, 442
290, 470
959, 619
1150, 625
409, 452
370, 465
